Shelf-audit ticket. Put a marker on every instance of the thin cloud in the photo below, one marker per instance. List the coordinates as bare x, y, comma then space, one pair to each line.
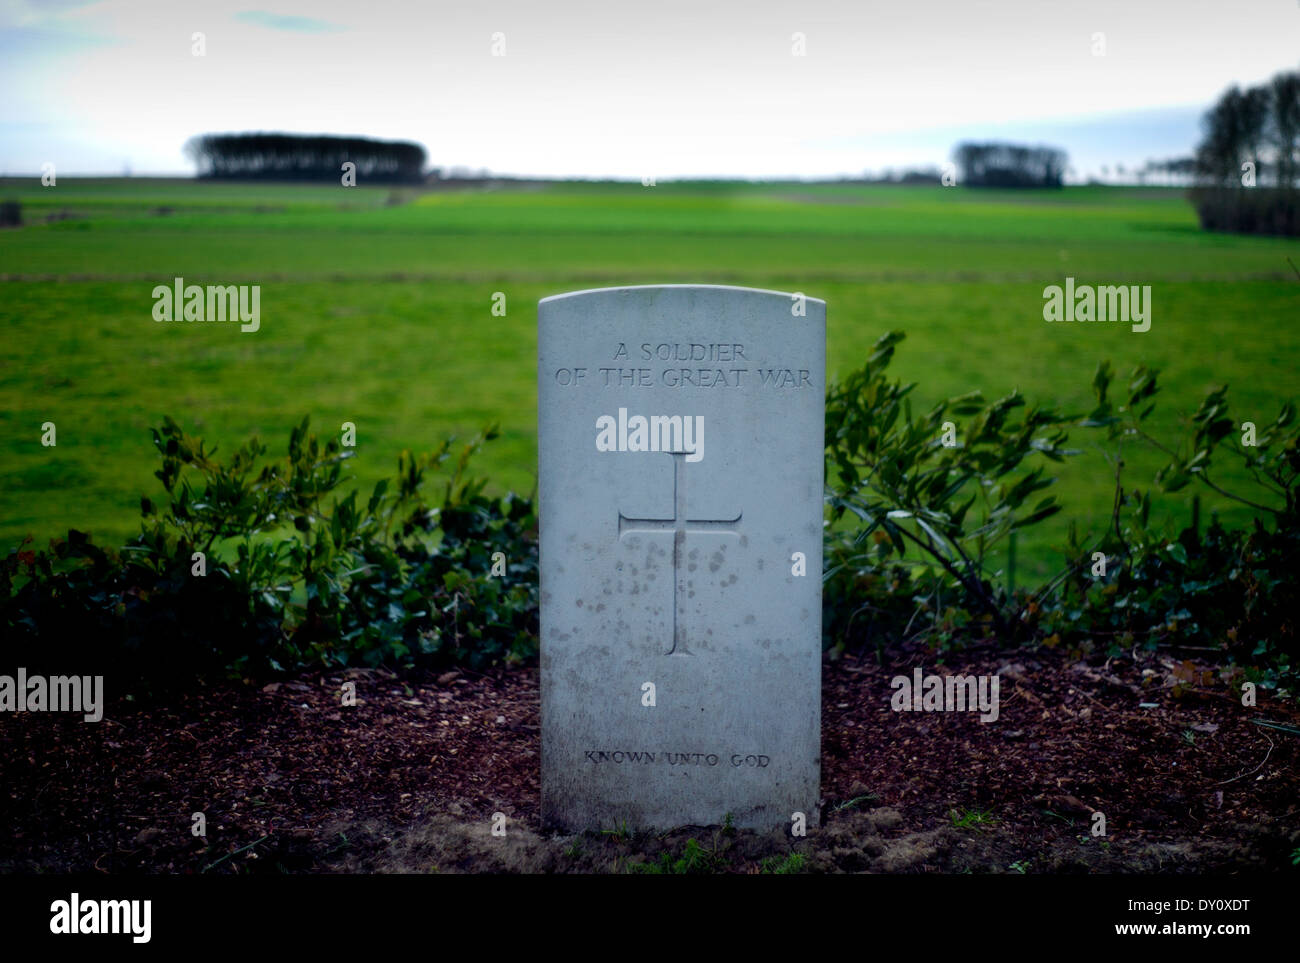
276, 21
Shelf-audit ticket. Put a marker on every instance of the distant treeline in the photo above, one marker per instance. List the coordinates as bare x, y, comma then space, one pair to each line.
1248, 163
1258, 126
307, 157
997, 164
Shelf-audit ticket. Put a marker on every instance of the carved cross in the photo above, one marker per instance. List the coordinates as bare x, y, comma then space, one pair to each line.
679, 525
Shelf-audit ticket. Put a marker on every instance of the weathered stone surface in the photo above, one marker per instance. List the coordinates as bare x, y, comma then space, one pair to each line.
680, 448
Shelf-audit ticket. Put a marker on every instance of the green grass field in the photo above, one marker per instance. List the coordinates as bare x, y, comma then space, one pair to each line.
376, 309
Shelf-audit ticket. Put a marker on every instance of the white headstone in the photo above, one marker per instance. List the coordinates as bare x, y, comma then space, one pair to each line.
680, 497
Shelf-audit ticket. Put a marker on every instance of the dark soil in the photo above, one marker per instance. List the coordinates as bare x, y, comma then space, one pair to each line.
409, 778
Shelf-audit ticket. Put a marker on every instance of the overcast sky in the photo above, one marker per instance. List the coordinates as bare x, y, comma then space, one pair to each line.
603, 88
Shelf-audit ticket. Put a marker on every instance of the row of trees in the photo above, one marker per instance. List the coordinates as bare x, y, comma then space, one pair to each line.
998, 164
1259, 126
305, 157
1172, 170
1248, 163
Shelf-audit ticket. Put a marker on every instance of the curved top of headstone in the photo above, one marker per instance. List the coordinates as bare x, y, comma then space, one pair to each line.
723, 288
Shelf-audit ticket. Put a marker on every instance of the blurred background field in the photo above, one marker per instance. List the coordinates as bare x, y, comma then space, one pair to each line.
376, 309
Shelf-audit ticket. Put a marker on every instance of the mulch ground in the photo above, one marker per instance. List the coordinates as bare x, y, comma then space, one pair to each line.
408, 779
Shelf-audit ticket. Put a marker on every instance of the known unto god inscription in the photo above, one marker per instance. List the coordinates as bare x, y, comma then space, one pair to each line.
680, 439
